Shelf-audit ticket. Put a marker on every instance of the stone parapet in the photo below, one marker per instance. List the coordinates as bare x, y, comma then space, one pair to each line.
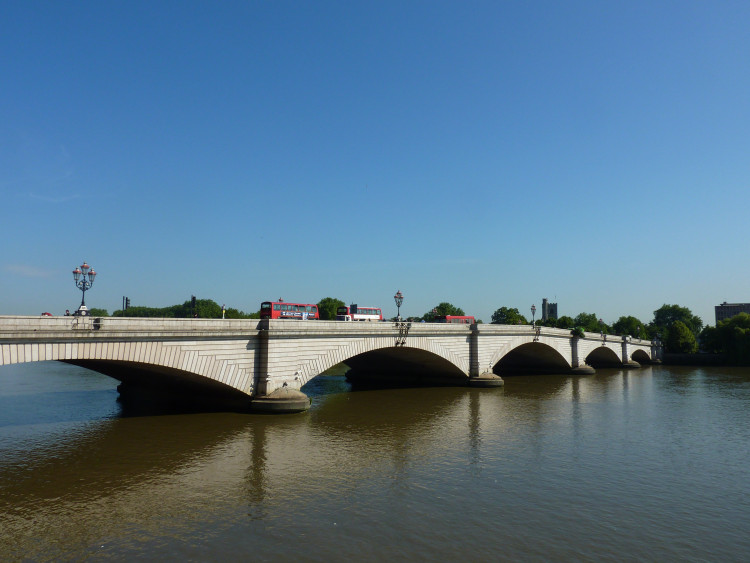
259, 357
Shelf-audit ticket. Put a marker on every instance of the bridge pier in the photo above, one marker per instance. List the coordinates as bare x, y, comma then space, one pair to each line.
577, 366
627, 363
262, 365
282, 400
272, 393
477, 377
487, 379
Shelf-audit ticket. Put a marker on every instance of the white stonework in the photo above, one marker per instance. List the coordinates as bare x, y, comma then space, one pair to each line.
259, 357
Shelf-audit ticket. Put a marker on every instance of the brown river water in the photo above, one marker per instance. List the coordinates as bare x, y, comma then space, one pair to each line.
639, 465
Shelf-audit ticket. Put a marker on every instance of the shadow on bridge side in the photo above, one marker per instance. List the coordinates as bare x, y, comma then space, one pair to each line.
532, 358
604, 357
144, 386
642, 358
402, 367
536, 358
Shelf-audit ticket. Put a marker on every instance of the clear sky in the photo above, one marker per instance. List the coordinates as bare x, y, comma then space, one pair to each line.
487, 154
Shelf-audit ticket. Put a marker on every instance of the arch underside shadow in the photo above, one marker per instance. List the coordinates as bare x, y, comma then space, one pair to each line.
164, 384
641, 357
402, 366
532, 358
603, 357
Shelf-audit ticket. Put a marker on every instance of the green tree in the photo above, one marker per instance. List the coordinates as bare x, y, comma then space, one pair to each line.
208, 309
205, 309
442, 309
630, 325
735, 336
590, 323
95, 312
232, 313
709, 340
508, 316
666, 315
577, 332
565, 322
681, 339
730, 336
327, 308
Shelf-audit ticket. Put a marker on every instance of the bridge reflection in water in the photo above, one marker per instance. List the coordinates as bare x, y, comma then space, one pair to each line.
544, 468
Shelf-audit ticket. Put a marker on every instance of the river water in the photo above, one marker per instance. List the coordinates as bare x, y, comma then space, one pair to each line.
640, 465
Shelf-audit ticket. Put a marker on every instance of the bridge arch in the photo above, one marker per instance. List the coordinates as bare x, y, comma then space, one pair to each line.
403, 365
187, 368
641, 356
531, 357
164, 381
259, 358
603, 356
423, 357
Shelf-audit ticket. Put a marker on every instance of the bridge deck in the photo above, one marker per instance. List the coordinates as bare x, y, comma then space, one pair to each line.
258, 357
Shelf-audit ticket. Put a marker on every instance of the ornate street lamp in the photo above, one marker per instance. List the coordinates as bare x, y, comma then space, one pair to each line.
533, 312
83, 277
399, 298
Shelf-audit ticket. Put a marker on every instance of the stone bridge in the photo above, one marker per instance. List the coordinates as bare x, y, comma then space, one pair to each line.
263, 364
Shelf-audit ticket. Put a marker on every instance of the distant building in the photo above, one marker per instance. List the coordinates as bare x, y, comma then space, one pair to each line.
728, 310
549, 310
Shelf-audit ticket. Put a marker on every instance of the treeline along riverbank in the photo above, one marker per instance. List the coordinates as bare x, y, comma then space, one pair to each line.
696, 360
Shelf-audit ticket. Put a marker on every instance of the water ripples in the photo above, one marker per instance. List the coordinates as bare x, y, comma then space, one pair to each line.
642, 465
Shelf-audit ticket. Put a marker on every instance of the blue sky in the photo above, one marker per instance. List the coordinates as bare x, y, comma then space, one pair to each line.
487, 154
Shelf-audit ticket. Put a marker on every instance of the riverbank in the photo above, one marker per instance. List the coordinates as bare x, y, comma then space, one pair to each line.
696, 360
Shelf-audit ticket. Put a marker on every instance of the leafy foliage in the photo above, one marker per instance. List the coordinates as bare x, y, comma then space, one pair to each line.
681, 339
709, 341
96, 312
666, 315
327, 308
508, 316
232, 313
204, 308
565, 322
630, 325
730, 336
443, 308
590, 322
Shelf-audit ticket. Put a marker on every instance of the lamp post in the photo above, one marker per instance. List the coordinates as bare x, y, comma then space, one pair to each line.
533, 312
83, 277
399, 298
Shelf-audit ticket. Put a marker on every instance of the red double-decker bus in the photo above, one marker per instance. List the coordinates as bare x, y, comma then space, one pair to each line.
457, 319
357, 313
282, 310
